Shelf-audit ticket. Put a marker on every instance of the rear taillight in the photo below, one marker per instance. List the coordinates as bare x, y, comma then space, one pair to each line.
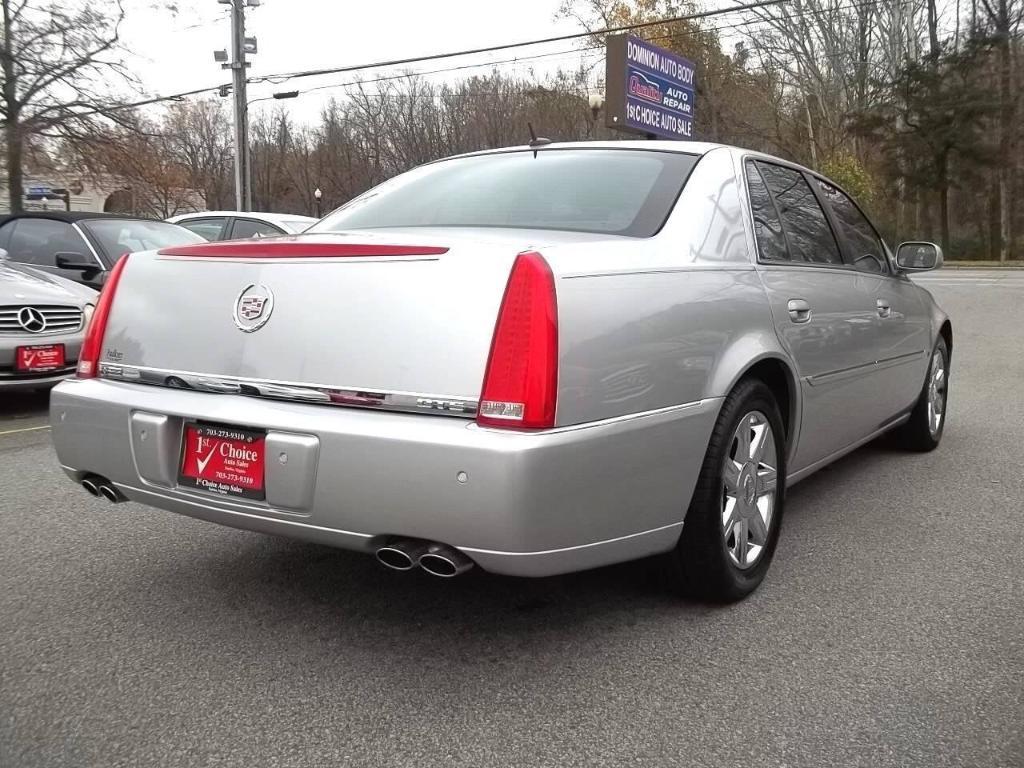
89, 357
521, 380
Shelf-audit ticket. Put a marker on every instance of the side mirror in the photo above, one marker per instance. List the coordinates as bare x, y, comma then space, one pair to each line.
916, 256
4, 256
75, 261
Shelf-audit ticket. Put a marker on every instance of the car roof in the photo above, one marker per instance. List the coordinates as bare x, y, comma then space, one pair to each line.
685, 147
661, 145
70, 217
265, 215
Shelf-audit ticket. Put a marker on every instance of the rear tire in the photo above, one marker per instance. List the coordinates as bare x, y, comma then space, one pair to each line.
732, 525
923, 431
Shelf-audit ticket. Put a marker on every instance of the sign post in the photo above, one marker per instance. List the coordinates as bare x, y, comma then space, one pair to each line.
648, 89
39, 196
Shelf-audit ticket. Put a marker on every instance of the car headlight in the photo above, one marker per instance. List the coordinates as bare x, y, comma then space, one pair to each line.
87, 311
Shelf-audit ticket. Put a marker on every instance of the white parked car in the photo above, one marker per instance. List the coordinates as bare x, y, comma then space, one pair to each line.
235, 225
42, 324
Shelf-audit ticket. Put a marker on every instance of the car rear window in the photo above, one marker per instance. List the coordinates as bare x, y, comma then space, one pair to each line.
607, 191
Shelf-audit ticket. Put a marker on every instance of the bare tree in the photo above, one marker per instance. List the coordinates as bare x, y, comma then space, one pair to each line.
199, 138
141, 157
57, 65
1004, 18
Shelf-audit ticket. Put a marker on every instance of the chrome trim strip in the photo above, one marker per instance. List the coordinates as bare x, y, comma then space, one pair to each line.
92, 250
908, 357
706, 402
888, 362
731, 267
840, 373
320, 394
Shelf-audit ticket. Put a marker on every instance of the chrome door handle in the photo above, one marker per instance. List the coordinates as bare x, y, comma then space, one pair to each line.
884, 310
799, 310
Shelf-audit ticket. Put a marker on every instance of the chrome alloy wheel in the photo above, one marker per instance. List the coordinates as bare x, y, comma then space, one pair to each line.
750, 479
936, 393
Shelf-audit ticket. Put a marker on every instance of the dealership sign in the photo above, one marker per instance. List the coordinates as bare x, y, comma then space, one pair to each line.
648, 90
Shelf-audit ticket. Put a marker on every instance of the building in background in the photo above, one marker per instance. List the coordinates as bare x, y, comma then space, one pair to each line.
57, 190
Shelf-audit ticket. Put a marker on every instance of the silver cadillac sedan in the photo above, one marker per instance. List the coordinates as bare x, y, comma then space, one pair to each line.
42, 324
534, 360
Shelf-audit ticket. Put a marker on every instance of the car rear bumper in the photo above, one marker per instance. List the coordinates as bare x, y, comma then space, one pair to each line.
527, 504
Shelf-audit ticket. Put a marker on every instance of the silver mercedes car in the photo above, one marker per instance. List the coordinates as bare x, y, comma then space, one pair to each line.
42, 324
535, 360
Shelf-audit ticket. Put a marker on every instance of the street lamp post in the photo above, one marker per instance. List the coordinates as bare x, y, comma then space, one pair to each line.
318, 195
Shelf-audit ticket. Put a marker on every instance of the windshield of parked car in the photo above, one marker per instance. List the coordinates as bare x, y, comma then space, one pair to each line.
120, 236
608, 191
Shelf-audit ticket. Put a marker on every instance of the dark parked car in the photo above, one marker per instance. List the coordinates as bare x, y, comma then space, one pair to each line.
83, 246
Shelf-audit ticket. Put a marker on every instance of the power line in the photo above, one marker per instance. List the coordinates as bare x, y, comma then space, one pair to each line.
433, 57
582, 52
203, 23
279, 78
507, 46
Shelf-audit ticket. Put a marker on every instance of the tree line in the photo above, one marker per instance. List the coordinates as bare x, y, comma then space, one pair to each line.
913, 107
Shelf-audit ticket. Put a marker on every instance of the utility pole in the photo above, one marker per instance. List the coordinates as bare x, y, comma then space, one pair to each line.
238, 66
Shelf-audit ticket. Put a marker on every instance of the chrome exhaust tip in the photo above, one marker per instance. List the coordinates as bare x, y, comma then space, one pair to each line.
111, 494
90, 485
401, 554
444, 561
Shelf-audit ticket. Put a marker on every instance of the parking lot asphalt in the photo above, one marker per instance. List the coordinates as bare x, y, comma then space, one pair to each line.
890, 630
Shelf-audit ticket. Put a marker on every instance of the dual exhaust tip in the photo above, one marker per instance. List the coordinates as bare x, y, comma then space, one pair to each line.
101, 487
436, 559
399, 554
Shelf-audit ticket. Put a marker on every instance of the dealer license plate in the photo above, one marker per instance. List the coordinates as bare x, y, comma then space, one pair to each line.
39, 358
222, 459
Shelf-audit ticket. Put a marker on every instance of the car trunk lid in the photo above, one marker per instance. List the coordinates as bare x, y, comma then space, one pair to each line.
384, 320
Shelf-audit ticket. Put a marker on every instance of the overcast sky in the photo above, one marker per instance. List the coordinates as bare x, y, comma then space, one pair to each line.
174, 52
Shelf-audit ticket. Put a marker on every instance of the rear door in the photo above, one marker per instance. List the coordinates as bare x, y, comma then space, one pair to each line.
902, 323
819, 309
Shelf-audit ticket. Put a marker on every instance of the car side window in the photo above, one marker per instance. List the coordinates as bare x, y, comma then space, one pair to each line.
807, 230
38, 241
866, 251
771, 240
211, 228
243, 229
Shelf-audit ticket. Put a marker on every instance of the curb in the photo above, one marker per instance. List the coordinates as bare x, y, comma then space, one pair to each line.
983, 265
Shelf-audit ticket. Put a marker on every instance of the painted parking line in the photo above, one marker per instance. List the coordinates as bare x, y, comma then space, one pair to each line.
24, 429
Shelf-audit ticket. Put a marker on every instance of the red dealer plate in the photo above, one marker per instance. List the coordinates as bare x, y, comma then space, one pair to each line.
40, 357
222, 459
